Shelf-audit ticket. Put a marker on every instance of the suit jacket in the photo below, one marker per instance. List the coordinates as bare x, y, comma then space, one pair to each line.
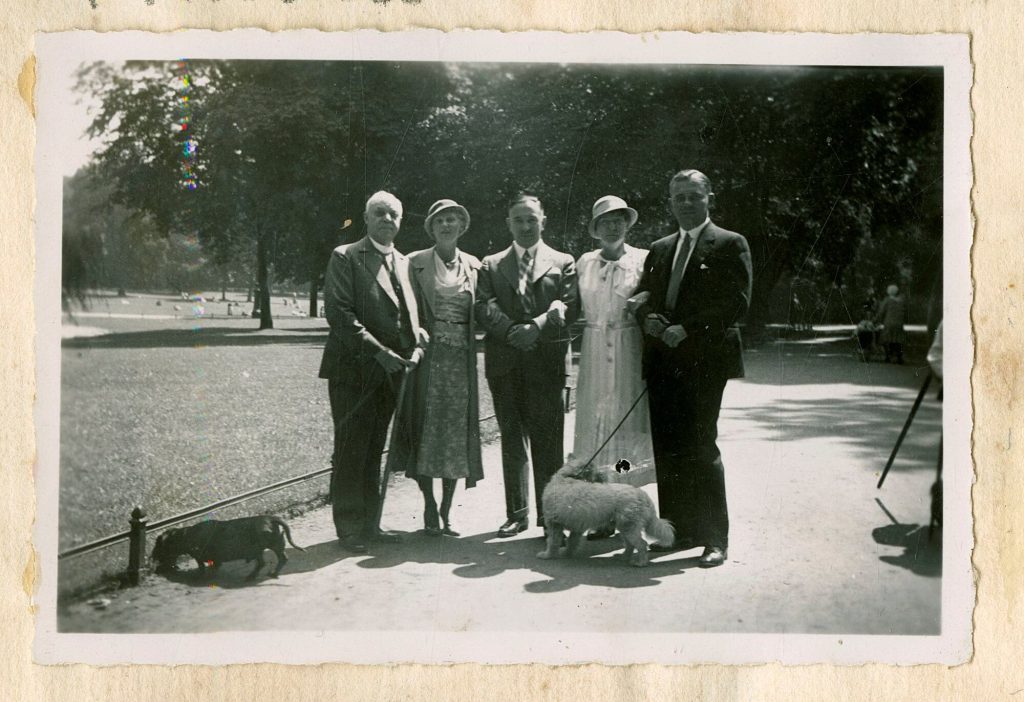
499, 306
714, 294
421, 264
364, 314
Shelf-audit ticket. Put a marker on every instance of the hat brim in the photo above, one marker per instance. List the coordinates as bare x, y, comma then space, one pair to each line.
632, 217
458, 208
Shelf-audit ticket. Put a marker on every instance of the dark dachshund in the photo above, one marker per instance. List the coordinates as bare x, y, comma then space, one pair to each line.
213, 542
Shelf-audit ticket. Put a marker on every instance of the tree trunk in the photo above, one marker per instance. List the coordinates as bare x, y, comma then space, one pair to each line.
313, 302
263, 283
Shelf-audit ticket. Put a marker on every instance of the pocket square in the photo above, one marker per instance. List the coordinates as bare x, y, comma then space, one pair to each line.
704, 267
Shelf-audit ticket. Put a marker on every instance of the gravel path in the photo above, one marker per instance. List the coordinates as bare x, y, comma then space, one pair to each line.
815, 547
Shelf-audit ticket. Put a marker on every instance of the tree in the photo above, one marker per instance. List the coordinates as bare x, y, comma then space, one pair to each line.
817, 167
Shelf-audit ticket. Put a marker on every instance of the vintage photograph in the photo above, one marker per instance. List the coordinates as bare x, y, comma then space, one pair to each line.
482, 347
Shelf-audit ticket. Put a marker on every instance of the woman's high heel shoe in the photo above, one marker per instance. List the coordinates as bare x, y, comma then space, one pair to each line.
430, 521
447, 496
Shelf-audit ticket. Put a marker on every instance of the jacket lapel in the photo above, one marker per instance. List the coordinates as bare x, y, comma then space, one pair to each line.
373, 262
542, 264
472, 270
509, 268
402, 272
705, 242
423, 269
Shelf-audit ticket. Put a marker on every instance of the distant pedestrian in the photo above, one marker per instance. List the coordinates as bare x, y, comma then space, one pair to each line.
892, 315
866, 338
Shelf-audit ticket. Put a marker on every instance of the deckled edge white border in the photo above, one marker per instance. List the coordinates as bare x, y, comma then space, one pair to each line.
63, 51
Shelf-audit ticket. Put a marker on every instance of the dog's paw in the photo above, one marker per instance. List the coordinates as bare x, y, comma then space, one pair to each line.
544, 554
638, 560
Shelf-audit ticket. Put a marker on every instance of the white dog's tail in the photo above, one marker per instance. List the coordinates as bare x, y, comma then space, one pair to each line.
662, 531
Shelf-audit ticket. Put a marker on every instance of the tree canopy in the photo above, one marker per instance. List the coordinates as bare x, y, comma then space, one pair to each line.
833, 174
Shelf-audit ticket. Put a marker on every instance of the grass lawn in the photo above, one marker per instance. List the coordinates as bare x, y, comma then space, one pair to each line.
172, 414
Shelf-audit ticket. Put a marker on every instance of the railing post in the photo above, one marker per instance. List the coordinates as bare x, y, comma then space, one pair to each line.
136, 545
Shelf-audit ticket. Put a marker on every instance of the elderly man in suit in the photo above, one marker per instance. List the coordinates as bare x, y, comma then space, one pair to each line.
527, 297
698, 282
375, 338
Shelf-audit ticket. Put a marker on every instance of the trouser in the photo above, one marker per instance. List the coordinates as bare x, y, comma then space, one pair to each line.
691, 477
530, 415
359, 439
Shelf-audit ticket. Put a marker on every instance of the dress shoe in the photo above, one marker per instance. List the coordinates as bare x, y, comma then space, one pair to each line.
712, 556
353, 544
384, 536
512, 527
680, 544
448, 531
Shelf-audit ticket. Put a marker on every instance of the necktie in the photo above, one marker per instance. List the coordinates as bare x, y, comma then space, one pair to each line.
677, 273
524, 280
405, 318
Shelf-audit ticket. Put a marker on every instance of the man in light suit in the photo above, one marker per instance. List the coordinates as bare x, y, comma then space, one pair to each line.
375, 338
699, 281
527, 297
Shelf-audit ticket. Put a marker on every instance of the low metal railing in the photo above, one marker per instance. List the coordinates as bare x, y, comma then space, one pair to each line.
140, 526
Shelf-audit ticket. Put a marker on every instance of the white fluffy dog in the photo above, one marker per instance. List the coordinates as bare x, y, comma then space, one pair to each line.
578, 499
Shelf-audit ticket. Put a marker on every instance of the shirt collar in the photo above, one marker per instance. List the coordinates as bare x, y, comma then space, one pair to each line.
383, 251
438, 261
519, 250
696, 230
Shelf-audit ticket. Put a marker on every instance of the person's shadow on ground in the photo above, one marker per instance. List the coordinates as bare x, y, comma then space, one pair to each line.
484, 556
921, 555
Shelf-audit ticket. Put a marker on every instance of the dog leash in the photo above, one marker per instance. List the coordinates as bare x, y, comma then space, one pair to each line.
618, 426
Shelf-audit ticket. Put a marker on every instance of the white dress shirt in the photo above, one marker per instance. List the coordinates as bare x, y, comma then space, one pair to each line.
694, 234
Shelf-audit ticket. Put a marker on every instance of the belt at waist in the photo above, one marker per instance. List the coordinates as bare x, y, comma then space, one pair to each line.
613, 325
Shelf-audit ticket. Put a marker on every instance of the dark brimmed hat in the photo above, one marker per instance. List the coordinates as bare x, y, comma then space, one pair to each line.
611, 203
441, 206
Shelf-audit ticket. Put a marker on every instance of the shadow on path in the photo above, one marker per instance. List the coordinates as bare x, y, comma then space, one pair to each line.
200, 336
484, 556
921, 555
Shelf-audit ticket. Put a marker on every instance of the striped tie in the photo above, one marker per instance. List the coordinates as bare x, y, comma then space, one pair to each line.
524, 280
676, 277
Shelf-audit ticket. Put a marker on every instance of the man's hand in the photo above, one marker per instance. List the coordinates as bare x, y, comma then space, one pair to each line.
523, 336
493, 311
556, 313
390, 361
414, 360
673, 335
654, 325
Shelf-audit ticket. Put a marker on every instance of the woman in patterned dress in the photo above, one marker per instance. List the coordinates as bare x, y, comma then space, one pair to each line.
445, 413
610, 379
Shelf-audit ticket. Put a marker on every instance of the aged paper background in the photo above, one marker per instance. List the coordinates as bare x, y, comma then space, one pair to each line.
995, 669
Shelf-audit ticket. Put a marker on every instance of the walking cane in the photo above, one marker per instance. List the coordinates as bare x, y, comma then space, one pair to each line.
906, 426
393, 444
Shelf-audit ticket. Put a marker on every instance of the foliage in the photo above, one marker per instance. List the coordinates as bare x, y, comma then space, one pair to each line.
832, 174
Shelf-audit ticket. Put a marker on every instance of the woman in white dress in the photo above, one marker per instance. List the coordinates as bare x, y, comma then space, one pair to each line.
610, 379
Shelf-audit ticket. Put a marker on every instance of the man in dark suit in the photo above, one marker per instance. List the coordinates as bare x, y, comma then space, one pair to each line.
375, 337
527, 297
699, 281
